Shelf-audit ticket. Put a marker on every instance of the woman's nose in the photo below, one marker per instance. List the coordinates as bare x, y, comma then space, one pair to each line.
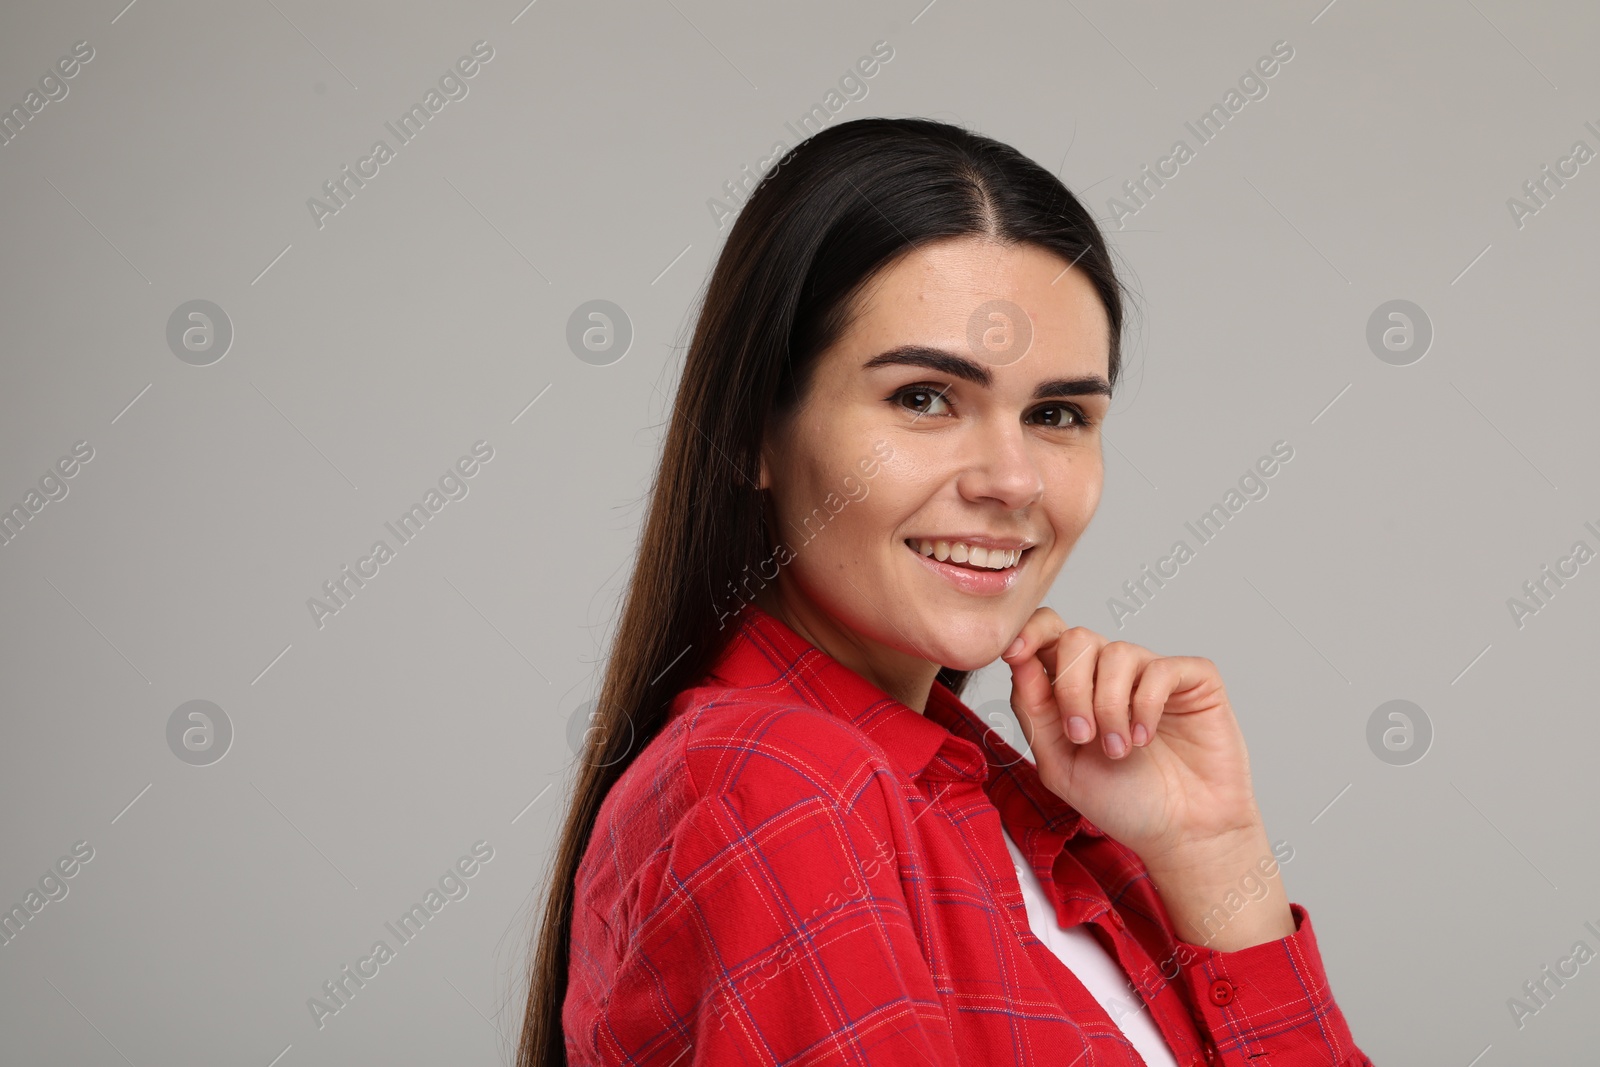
999, 465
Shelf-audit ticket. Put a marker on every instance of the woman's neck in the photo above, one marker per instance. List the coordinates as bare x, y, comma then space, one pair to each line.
907, 679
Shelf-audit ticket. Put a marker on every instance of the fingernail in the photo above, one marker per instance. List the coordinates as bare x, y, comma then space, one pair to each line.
1114, 746
1016, 646
1140, 734
1078, 728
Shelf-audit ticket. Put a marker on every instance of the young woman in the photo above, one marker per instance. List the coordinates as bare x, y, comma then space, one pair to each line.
790, 841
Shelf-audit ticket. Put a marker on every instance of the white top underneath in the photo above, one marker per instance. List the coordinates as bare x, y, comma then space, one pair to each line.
1096, 968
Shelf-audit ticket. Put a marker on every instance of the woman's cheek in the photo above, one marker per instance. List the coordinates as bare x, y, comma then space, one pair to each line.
1075, 484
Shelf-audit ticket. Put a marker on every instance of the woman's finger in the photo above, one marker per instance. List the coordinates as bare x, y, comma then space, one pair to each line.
1156, 681
1071, 661
1041, 629
1116, 670
1035, 707
1032, 658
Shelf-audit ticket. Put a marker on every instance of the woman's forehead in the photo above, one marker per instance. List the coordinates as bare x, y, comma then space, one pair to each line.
942, 289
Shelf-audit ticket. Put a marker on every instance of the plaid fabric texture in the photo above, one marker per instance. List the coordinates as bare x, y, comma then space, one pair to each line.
800, 870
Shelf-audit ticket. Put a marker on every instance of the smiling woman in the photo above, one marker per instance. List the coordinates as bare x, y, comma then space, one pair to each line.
976, 445
790, 841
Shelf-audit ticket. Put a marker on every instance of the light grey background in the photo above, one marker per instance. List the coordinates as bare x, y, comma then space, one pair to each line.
369, 354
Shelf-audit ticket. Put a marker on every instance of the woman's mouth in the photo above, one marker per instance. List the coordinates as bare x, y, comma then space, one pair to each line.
971, 568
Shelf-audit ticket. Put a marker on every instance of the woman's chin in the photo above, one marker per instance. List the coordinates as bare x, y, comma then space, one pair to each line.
972, 656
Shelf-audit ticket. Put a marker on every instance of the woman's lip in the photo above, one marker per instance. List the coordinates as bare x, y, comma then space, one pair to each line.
970, 579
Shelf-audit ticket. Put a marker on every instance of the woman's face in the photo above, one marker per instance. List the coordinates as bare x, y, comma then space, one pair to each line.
941, 416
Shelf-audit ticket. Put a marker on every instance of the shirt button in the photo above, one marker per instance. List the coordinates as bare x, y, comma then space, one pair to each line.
1221, 991
1116, 920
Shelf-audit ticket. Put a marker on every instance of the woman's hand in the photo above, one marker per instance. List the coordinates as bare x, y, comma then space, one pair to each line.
1178, 784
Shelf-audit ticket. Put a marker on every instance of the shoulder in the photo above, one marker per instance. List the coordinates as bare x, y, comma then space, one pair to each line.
728, 765
771, 754
734, 794
790, 800
776, 864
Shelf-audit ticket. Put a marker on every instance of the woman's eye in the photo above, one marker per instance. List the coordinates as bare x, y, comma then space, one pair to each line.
922, 399
1063, 412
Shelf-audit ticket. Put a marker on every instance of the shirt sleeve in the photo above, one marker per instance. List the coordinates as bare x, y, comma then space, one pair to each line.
775, 927
1269, 1003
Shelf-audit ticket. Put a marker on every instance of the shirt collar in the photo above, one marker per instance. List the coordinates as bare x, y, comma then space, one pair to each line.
948, 742
1035, 816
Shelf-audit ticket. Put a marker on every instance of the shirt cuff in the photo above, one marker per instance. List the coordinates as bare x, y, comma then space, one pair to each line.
1268, 1003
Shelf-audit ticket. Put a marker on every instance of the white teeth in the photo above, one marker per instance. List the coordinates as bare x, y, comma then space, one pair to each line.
993, 559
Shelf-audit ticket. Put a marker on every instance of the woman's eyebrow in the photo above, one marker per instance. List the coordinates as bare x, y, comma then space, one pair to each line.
971, 370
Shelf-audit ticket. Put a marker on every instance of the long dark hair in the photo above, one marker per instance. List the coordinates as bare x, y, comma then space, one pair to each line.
836, 209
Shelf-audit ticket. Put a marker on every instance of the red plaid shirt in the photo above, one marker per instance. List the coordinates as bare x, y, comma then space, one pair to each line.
800, 869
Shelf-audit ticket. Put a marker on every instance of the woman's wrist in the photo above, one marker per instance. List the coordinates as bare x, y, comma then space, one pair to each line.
1224, 893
